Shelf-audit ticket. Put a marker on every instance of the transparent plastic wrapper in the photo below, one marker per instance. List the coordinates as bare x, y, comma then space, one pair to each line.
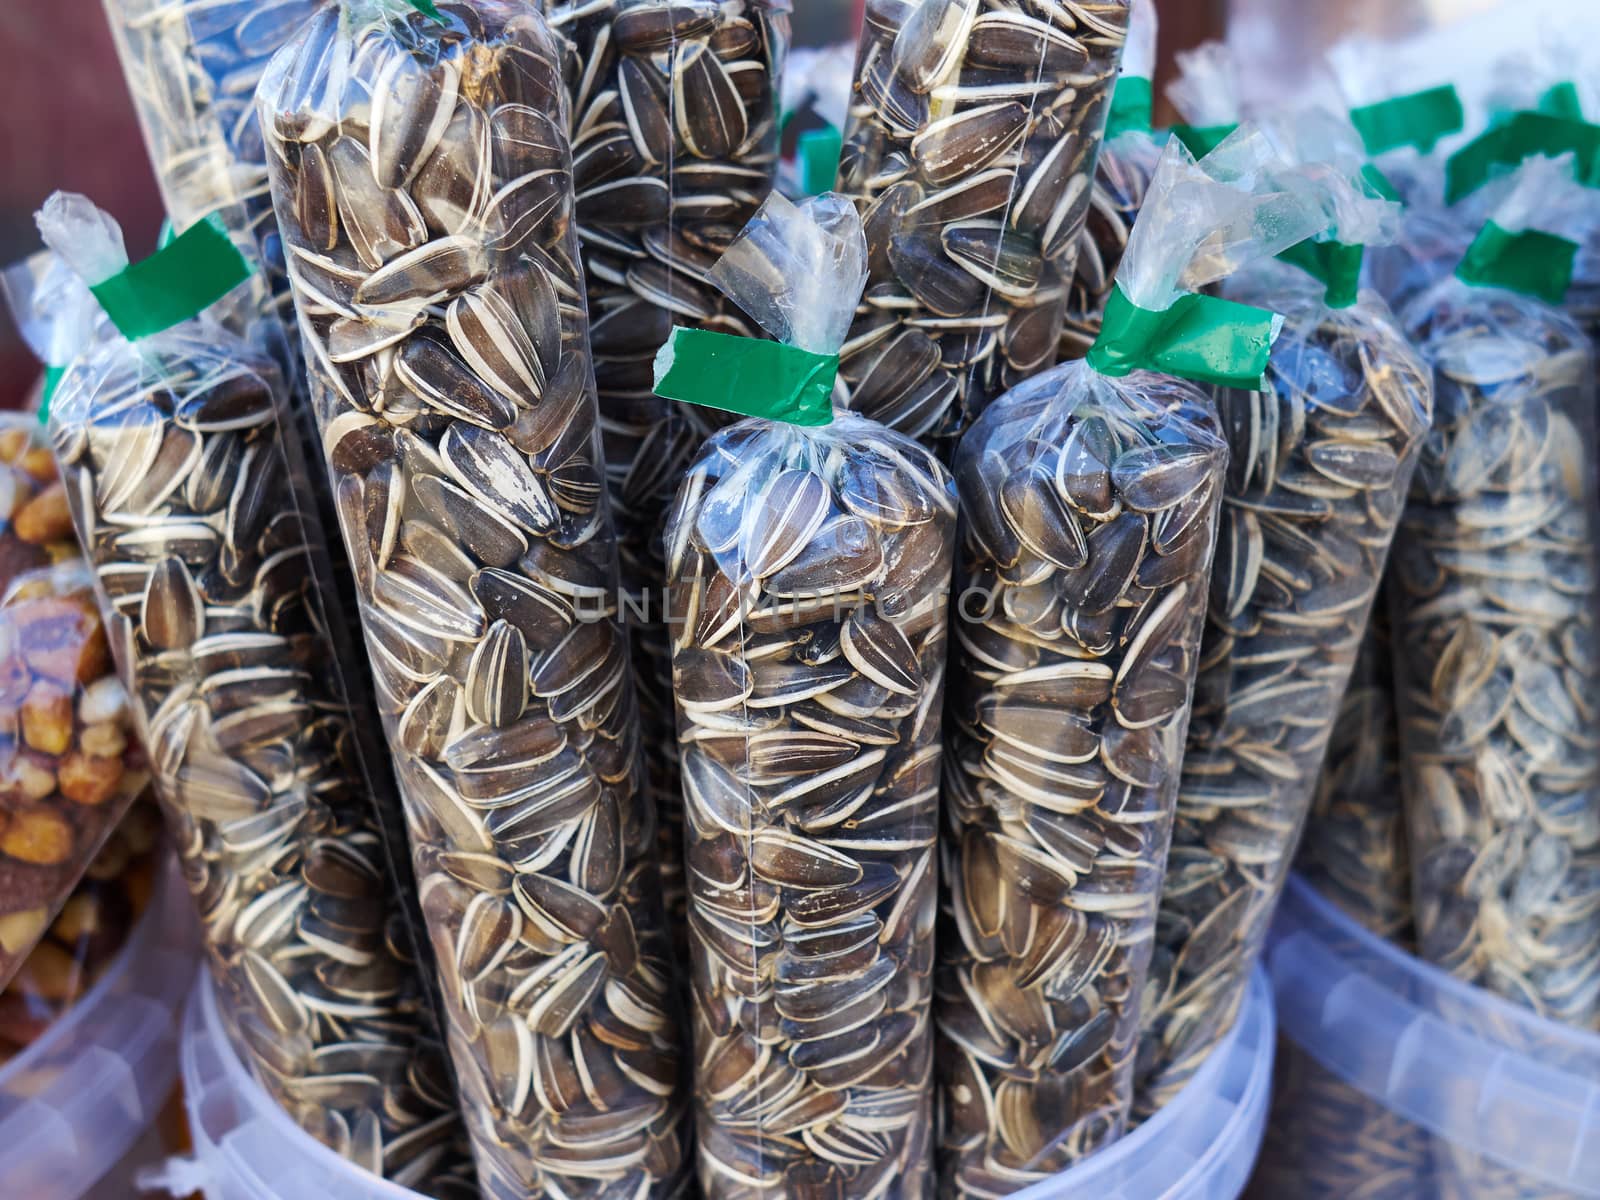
88, 933
1355, 849
435, 269
70, 765
192, 68
1494, 591
810, 575
171, 450
1090, 498
1329, 1141
970, 152
1127, 162
1319, 463
674, 112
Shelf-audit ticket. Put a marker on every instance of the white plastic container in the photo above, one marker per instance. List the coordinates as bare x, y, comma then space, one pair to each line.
75, 1101
1200, 1147
1513, 1100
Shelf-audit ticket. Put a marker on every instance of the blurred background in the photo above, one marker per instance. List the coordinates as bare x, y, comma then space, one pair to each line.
65, 119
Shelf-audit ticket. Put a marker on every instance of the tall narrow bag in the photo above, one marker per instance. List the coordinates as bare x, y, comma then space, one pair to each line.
423, 179
675, 145
1319, 462
169, 431
970, 151
810, 566
1090, 499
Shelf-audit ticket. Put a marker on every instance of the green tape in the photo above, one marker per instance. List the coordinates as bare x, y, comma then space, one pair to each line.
1522, 136
1532, 263
427, 9
1561, 100
1336, 265
747, 376
1203, 338
1203, 139
1420, 120
178, 282
1132, 107
1381, 185
819, 151
52, 381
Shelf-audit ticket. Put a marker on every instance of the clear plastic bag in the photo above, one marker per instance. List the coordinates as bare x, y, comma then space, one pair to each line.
69, 761
192, 68
172, 452
810, 575
970, 152
1319, 464
423, 179
704, 158
1090, 507
88, 933
1122, 176
1493, 595
1355, 849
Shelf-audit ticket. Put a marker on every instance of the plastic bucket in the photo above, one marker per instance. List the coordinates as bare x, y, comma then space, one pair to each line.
1200, 1147
77, 1100
1512, 1100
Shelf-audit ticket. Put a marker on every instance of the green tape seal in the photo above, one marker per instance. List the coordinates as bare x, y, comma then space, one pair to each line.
427, 9
1336, 265
1203, 139
1420, 120
820, 150
1203, 338
1561, 100
175, 284
1522, 136
747, 376
1531, 263
52, 381
1133, 107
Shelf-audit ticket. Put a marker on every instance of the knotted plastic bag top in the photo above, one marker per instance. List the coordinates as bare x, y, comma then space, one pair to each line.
798, 271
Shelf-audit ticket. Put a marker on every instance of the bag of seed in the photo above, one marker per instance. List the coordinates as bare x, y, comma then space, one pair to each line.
167, 431
1493, 596
809, 556
1319, 462
970, 152
674, 117
192, 68
1089, 499
1126, 165
420, 160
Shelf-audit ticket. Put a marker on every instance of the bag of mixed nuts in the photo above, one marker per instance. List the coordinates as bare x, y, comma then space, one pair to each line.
1319, 461
1493, 595
970, 151
420, 159
168, 430
809, 559
1127, 162
674, 119
1089, 500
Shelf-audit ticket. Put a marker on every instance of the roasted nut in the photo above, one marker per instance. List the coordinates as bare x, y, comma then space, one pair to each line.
90, 779
45, 518
20, 930
37, 836
47, 717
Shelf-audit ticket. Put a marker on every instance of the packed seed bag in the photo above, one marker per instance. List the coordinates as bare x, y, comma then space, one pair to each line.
970, 152
87, 935
192, 68
1127, 162
674, 113
441, 310
1089, 498
1319, 462
810, 561
1355, 850
168, 433
1493, 599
